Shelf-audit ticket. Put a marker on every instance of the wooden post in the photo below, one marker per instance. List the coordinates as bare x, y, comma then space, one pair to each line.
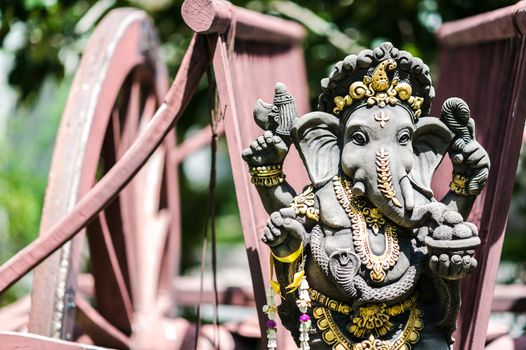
482, 61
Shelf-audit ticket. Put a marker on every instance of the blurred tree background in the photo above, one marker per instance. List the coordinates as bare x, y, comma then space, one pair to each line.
41, 43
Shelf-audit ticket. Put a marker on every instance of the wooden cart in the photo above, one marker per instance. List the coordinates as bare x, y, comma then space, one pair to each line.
114, 184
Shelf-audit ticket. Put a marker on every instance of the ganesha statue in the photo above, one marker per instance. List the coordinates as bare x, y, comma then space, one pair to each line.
366, 257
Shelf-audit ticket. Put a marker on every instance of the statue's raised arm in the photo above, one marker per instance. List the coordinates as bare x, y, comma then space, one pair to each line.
266, 154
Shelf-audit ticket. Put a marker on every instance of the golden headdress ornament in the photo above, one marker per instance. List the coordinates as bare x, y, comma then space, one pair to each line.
383, 76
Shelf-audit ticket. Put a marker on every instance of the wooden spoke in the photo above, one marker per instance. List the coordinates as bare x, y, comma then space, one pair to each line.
148, 111
195, 142
113, 211
113, 299
131, 113
128, 233
171, 201
116, 129
98, 328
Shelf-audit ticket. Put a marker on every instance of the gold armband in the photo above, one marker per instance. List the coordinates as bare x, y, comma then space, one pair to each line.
458, 185
267, 175
291, 257
303, 204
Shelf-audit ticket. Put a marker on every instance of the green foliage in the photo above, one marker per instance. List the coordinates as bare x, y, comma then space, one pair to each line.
18, 191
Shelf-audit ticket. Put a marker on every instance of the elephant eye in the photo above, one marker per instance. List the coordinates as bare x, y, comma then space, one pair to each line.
359, 138
404, 138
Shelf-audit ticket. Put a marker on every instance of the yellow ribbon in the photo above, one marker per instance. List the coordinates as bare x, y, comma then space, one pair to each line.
298, 276
273, 283
291, 257
295, 284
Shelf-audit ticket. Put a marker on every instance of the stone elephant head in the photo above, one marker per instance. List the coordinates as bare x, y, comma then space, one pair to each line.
388, 154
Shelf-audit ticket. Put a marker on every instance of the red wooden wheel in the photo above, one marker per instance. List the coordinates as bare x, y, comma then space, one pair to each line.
133, 243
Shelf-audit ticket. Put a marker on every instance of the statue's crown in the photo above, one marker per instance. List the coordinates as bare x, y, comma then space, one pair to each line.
383, 76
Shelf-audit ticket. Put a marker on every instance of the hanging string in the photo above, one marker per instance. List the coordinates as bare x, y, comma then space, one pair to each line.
210, 225
215, 117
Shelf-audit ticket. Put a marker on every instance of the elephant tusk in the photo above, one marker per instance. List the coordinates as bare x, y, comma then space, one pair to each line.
407, 192
358, 189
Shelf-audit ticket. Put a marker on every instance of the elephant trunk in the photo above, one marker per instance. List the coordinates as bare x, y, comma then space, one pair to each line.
394, 195
384, 177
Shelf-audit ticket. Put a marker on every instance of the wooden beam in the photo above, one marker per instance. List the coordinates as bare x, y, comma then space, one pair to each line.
187, 293
509, 298
216, 16
194, 143
500, 24
28, 341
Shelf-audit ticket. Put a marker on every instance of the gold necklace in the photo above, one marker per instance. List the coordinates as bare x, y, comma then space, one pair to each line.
377, 264
373, 216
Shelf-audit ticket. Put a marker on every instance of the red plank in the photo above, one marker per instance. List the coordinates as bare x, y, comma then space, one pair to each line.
187, 293
499, 112
28, 341
504, 23
244, 192
509, 298
244, 74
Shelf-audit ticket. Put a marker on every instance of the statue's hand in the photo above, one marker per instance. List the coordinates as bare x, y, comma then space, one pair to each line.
267, 149
452, 246
283, 233
473, 163
452, 267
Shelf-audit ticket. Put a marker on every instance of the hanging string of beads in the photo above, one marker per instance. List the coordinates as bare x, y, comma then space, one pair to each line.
270, 309
299, 283
303, 303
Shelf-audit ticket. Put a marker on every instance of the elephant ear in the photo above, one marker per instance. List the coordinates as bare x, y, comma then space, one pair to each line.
430, 142
315, 137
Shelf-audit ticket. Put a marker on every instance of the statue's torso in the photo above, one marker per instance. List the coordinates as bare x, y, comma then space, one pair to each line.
338, 234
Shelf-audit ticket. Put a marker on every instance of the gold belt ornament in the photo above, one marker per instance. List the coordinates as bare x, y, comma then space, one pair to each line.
372, 320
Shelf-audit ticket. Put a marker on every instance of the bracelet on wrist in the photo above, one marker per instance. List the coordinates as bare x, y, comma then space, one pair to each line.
267, 175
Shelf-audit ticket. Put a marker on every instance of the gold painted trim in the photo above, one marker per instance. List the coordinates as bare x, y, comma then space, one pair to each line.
379, 90
267, 175
458, 185
385, 179
303, 204
373, 216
